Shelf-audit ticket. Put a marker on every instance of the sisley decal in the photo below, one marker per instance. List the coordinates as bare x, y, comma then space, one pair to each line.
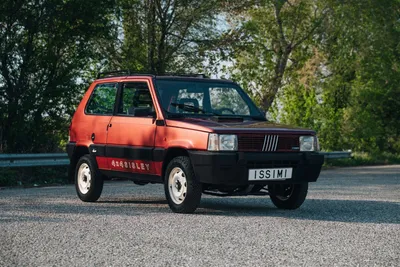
131, 165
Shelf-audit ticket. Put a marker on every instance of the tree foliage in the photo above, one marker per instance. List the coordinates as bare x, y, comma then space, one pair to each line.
161, 36
45, 46
356, 78
272, 41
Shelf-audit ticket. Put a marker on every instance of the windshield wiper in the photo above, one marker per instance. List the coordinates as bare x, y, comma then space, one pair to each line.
189, 108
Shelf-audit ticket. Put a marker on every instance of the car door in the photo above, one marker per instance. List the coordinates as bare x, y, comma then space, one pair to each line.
99, 111
131, 132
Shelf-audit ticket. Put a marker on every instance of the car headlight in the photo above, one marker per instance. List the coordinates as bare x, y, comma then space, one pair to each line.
222, 142
309, 143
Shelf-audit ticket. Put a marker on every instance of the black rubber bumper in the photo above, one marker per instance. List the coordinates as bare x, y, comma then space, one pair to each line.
70, 147
231, 168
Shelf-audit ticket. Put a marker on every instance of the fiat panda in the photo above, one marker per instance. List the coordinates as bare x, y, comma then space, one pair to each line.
192, 134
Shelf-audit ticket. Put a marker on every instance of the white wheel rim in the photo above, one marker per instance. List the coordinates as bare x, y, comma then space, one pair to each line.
84, 178
177, 185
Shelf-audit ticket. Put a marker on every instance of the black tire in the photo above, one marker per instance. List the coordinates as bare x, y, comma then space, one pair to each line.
87, 163
288, 196
190, 200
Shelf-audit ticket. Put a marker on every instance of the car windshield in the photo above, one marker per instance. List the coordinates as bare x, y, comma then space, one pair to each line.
190, 98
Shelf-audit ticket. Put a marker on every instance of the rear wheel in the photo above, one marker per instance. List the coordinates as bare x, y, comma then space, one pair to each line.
182, 190
288, 196
88, 179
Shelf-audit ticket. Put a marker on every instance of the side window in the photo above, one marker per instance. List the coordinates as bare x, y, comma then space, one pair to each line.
228, 99
136, 100
102, 99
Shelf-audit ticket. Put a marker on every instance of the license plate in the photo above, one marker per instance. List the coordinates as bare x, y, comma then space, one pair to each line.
270, 174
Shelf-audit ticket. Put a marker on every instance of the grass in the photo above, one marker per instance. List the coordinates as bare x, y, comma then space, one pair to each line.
364, 159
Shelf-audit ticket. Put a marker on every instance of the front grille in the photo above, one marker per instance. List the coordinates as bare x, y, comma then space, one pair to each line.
268, 143
273, 164
289, 143
250, 142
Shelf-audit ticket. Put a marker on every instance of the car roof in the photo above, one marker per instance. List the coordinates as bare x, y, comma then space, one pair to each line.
180, 78
169, 76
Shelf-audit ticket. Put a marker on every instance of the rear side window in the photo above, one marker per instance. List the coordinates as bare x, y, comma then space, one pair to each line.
102, 100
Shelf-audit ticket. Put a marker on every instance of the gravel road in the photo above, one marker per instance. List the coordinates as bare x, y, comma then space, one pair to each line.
350, 218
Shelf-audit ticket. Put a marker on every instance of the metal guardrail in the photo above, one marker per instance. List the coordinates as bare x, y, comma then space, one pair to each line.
32, 160
61, 159
337, 154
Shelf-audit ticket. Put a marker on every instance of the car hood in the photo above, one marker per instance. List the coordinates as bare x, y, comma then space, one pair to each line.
246, 126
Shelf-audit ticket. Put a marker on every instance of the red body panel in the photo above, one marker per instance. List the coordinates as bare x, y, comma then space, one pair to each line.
131, 131
169, 137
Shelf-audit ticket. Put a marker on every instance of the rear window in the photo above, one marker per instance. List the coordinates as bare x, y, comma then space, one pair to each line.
102, 100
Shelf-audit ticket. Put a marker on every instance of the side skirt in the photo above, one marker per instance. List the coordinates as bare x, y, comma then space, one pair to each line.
133, 176
220, 194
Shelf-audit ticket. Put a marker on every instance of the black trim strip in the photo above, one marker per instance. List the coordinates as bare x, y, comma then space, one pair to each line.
118, 99
125, 152
160, 122
97, 150
128, 152
158, 154
133, 176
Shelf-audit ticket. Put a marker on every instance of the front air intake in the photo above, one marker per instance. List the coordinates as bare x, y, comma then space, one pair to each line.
268, 143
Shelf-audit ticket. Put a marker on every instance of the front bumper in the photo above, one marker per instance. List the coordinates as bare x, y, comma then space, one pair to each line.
231, 168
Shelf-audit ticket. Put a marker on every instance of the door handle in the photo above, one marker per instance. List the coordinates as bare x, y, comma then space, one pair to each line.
109, 125
93, 136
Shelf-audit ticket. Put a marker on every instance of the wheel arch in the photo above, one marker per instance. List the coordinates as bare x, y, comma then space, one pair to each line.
171, 153
79, 151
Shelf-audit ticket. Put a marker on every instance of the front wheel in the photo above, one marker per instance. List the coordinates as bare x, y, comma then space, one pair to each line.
88, 179
182, 189
288, 196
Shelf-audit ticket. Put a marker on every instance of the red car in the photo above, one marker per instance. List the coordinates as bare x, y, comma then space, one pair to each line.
193, 134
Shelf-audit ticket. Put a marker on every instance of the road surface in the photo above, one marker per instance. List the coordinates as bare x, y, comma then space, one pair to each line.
350, 218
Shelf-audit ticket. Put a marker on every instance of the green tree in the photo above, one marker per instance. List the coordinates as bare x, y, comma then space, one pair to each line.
272, 43
343, 78
361, 88
45, 47
160, 36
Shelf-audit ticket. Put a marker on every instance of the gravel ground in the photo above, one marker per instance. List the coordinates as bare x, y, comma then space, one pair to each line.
350, 218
